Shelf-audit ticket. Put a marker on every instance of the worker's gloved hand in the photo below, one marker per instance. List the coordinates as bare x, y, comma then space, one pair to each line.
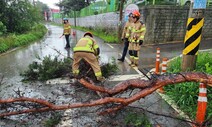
97, 57
125, 39
140, 42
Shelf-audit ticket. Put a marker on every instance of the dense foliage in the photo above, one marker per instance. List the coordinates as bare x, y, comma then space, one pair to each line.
50, 68
19, 16
186, 94
74, 5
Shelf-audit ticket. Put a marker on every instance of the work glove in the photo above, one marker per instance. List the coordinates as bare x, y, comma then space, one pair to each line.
140, 42
125, 39
98, 57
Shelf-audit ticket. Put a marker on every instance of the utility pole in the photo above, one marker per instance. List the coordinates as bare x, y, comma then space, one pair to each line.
34, 3
193, 34
75, 18
120, 19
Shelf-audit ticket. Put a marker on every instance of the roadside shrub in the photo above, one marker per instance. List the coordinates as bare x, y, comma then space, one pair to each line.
48, 69
3, 46
2, 28
51, 68
186, 94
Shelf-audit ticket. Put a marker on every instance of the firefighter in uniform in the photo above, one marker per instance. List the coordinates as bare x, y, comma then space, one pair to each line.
125, 36
87, 49
66, 31
136, 39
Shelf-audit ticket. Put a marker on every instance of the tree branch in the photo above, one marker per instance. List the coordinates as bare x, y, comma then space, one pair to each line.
146, 87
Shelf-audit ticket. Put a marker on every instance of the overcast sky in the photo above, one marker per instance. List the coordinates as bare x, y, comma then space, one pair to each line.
51, 3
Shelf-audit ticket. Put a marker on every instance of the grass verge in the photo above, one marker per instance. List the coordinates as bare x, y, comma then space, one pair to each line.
12, 41
185, 95
106, 34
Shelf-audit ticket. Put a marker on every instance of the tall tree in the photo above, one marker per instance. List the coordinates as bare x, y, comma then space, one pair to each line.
18, 16
74, 5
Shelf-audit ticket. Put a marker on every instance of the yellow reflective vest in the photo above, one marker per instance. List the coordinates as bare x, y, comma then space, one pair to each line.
66, 29
137, 32
86, 44
126, 30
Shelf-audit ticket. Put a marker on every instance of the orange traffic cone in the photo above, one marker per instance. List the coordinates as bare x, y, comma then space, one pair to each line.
74, 33
202, 104
164, 68
157, 63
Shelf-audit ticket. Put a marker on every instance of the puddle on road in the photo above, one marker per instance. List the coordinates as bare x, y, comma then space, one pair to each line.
13, 63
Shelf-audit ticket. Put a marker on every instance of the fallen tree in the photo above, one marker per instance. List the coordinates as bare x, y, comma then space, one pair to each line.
146, 87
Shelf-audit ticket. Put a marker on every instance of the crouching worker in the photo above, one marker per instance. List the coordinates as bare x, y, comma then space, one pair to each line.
87, 49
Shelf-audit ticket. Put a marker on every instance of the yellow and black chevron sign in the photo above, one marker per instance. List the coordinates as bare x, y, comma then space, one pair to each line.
193, 36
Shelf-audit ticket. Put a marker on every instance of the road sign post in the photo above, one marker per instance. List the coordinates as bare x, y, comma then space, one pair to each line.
193, 34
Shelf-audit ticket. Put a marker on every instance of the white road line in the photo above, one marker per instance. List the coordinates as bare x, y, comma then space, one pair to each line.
125, 77
135, 68
110, 46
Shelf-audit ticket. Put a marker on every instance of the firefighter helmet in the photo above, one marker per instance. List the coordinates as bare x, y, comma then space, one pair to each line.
136, 13
88, 33
65, 19
130, 14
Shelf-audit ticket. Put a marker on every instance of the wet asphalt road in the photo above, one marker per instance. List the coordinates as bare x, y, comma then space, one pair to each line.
11, 64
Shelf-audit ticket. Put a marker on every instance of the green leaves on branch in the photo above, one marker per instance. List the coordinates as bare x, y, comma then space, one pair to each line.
48, 69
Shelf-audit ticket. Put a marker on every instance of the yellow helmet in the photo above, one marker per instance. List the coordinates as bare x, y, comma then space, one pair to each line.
88, 33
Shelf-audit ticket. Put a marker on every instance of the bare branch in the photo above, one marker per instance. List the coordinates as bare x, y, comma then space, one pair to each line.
146, 87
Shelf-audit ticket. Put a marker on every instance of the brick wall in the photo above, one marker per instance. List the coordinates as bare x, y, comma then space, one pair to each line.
166, 24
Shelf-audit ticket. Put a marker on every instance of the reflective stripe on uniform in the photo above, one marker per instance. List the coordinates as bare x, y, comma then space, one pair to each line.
96, 46
136, 58
98, 74
87, 48
75, 71
142, 37
66, 28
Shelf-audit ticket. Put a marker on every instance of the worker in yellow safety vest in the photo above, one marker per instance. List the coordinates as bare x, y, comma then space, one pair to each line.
125, 37
87, 49
136, 38
66, 31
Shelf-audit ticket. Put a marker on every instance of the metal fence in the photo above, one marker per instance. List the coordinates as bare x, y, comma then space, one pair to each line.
97, 8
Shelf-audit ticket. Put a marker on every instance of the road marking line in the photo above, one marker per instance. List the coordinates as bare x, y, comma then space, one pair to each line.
59, 81
125, 77
135, 68
110, 46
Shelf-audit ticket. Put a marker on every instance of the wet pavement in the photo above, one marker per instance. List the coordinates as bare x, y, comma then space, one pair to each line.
17, 61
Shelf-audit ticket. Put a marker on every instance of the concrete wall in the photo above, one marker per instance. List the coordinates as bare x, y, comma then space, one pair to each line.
106, 20
164, 24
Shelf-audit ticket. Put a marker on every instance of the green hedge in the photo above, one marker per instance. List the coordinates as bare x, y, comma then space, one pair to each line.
12, 41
